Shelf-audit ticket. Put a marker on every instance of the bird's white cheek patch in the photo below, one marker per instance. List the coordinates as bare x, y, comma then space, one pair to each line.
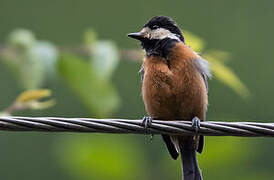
162, 33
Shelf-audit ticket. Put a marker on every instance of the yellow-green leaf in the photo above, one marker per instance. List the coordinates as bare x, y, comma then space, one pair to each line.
224, 73
31, 95
36, 105
194, 41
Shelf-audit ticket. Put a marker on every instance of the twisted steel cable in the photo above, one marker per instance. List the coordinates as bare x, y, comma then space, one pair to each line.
208, 128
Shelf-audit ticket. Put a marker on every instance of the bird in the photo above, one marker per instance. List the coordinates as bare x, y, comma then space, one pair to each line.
174, 87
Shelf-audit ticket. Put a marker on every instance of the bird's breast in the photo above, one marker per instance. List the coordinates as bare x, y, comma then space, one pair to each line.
158, 88
173, 92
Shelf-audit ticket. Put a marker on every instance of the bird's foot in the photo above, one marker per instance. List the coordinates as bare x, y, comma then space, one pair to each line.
196, 123
146, 121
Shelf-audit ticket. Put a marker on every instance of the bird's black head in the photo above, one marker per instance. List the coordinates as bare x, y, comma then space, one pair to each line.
158, 34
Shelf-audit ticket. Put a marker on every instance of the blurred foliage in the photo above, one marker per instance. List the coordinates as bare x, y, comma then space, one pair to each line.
195, 42
33, 61
30, 100
104, 59
229, 155
30, 60
98, 95
225, 74
101, 157
32, 95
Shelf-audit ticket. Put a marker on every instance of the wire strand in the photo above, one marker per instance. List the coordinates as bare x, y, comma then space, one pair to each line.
125, 126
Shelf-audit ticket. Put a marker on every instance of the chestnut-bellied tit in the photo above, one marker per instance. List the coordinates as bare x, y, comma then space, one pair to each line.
174, 87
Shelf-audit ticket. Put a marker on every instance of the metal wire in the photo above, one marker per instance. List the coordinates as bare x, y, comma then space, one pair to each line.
208, 128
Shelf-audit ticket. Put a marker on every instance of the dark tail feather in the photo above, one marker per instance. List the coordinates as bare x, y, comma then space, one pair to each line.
201, 144
170, 146
190, 165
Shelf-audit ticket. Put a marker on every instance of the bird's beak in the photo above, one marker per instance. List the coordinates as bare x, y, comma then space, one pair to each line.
138, 35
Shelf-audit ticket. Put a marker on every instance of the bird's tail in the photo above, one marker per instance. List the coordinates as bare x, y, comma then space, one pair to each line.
190, 167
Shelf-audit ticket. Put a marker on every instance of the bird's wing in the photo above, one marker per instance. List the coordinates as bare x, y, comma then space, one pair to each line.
203, 67
142, 71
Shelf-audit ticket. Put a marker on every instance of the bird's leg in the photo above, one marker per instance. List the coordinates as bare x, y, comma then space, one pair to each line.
196, 123
146, 123
147, 120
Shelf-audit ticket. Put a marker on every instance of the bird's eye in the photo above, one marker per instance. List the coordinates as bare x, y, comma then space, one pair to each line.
155, 27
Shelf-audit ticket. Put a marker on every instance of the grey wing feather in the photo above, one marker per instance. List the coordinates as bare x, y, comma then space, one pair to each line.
205, 80
142, 71
203, 67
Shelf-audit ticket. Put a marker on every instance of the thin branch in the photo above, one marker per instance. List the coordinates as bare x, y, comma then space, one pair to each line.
125, 54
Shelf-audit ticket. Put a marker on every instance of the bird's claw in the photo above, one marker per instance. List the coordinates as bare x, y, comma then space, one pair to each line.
196, 124
146, 121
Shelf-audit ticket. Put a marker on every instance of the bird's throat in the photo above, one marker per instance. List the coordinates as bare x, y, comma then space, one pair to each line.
160, 48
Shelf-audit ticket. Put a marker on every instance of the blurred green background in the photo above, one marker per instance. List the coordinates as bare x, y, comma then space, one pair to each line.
79, 50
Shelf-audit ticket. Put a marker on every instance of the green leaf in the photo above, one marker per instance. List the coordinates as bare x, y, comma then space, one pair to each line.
104, 59
33, 95
100, 97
